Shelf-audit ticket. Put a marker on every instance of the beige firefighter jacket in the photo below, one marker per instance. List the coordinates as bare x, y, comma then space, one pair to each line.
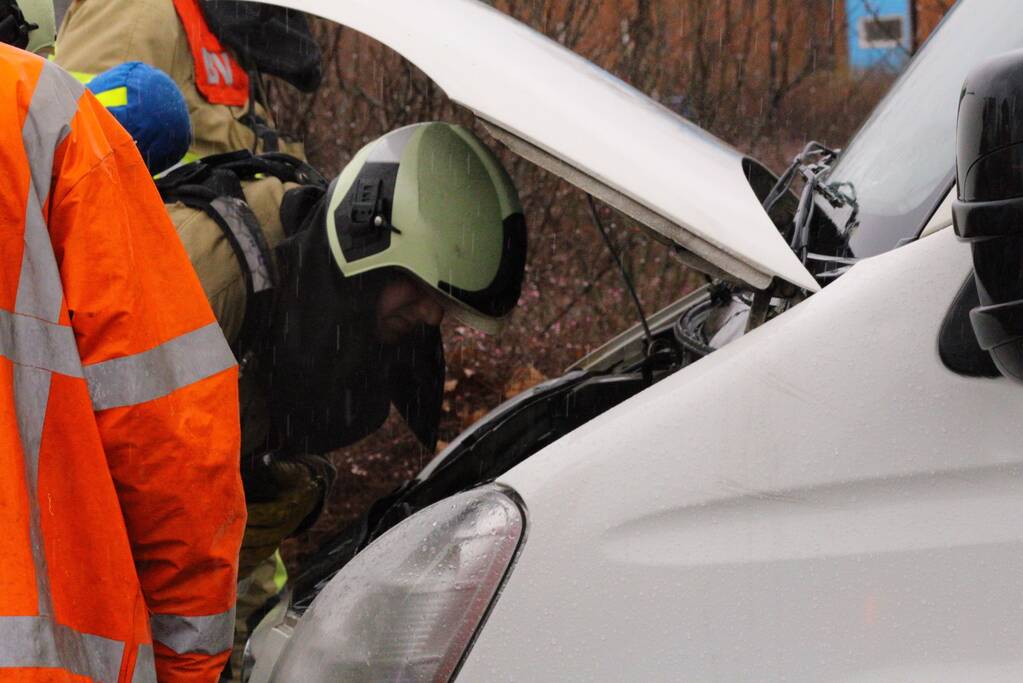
97, 35
224, 282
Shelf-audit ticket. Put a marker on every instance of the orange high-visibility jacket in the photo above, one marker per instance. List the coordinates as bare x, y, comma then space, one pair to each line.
121, 508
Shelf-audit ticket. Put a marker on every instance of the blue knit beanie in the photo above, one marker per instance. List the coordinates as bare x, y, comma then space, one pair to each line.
151, 108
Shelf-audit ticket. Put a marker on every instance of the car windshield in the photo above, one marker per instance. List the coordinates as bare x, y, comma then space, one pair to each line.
900, 164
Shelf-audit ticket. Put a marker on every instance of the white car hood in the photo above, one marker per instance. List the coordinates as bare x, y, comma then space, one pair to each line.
573, 118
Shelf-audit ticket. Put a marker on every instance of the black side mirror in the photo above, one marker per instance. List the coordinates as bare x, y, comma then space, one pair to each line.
989, 210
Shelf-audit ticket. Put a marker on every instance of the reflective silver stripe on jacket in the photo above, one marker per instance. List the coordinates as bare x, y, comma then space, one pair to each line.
40, 292
145, 665
160, 371
210, 635
54, 105
39, 642
32, 395
38, 347
38, 344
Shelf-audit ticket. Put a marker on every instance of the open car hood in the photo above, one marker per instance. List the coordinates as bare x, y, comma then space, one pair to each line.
573, 118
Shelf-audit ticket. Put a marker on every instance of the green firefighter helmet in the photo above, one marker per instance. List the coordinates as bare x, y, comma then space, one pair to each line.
32, 25
432, 200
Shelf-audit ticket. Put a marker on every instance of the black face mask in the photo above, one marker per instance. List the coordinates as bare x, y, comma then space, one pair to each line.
329, 380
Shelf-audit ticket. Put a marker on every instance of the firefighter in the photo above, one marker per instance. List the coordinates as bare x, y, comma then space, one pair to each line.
215, 50
332, 296
333, 312
122, 505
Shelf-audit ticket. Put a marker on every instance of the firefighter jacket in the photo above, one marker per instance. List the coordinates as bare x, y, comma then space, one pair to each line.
97, 35
120, 497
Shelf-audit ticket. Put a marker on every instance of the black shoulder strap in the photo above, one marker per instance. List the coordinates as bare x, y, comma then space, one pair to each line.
245, 166
243, 232
284, 167
213, 187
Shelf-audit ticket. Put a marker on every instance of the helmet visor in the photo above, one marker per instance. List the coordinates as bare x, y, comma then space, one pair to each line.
499, 298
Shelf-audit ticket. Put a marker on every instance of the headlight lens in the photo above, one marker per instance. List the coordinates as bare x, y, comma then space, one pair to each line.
407, 607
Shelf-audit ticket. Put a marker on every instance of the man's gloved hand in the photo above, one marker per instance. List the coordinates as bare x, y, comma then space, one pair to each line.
283, 496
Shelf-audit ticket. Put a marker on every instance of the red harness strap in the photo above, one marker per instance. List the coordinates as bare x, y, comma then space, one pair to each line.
217, 75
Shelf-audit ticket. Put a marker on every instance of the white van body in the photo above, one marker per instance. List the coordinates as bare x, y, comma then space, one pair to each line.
822, 499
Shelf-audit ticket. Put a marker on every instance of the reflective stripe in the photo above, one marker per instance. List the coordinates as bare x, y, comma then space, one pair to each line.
82, 77
39, 642
32, 394
158, 372
54, 105
40, 292
104, 655
35, 343
118, 97
145, 666
210, 635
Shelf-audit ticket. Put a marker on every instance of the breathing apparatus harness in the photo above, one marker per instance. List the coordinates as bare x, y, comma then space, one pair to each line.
214, 186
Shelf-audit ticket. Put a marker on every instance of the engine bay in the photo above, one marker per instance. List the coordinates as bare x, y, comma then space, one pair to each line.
681, 334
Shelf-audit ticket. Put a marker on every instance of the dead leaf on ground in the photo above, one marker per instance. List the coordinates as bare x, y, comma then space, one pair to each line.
522, 378
470, 417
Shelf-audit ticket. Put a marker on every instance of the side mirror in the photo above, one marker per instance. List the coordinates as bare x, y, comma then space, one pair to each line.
989, 210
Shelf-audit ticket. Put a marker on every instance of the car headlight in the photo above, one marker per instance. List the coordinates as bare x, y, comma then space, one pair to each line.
408, 606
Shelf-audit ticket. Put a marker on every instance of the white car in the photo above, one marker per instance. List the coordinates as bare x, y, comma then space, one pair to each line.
834, 494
